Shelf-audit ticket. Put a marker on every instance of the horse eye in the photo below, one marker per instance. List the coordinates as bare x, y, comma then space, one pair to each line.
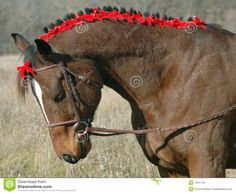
60, 96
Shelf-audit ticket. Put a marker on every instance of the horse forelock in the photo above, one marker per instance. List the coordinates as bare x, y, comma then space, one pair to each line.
22, 85
21, 89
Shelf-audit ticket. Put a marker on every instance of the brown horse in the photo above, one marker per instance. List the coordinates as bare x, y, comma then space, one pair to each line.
168, 76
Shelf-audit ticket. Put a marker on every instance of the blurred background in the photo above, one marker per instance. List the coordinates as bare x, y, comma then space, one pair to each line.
29, 16
25, 145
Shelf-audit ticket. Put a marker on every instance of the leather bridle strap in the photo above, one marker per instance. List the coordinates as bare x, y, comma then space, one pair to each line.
72, 93
159, 130
48, 67
64, 123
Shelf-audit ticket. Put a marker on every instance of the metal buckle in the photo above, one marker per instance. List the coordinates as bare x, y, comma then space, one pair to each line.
83, 135
83, 78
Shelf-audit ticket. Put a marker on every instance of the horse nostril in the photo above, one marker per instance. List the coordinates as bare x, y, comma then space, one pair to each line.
69, 159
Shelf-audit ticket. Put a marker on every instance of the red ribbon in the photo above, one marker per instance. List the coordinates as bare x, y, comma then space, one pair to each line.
25, 68
101, 15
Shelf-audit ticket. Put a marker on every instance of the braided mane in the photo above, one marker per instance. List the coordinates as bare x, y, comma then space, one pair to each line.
109, 13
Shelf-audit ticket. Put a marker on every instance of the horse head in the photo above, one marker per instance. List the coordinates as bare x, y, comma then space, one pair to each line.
68, 95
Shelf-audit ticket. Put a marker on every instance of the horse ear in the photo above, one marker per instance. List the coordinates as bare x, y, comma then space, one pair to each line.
20, 41
44, 49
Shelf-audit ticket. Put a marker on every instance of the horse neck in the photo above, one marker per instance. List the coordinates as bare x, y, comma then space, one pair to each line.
157, 63
135, 59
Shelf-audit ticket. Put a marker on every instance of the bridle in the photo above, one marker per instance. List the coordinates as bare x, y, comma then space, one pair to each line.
88, 130
82, 134
73, 93
71, 82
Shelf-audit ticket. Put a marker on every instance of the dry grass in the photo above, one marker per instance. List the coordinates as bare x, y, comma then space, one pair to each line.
26, 149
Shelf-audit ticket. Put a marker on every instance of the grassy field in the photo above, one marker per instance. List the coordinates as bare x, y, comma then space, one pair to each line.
26, 149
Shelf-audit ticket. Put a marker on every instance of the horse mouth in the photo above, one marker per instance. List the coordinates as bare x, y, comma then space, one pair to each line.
69, 159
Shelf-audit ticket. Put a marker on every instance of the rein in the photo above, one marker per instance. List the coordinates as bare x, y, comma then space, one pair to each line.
167, 129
